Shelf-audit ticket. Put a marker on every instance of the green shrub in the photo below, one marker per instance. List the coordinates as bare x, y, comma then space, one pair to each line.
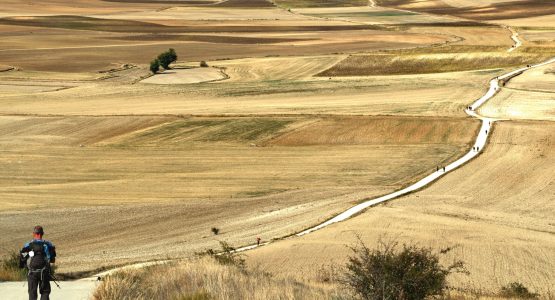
411, 273
166, 58
154, 66
517, 290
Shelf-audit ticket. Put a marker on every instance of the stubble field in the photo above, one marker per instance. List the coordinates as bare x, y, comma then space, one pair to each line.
302, 114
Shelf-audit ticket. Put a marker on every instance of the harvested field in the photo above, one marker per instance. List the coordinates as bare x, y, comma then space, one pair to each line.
111, 187
375, 15
245, 3
115, 25
4, 68
80, 54
547, 21
377, 131
74, 7
493, 10
529, 96
496, 211
443, 94
522, 104
217, 39
186, 76
320, 3
277, 68
174, 16
476, 36
175, 2
361, 65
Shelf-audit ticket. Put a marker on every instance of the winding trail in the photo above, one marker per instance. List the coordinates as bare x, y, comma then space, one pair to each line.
514, 37
82, 289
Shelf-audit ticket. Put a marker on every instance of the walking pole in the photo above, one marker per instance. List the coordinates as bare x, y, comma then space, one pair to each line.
55, 280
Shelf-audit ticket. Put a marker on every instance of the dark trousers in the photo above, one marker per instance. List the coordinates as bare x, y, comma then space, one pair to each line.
41, 280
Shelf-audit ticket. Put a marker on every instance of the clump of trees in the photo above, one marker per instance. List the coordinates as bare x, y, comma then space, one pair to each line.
392, 272
163, 60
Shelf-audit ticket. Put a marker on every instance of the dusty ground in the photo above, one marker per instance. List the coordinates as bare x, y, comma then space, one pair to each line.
497, 211
143, 171
529, 97
200, 173
294, 91
186, 76
481, 11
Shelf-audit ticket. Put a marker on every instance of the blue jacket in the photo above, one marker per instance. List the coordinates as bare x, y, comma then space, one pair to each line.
49, 249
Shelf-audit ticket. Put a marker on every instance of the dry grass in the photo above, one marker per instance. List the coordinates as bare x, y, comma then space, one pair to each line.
361, 65
9, 268
204, 279
377, 131
497, 210
494, 10
245, 3
320, 3
150, 182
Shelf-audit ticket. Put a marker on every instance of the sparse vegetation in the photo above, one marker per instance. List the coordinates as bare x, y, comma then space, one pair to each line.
517, 290
363, 65
203, 64
203, 279
320, 3
227, 256
9, 268
411, 273
215, 230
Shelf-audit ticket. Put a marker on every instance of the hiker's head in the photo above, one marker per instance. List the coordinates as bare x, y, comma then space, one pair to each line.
38, 232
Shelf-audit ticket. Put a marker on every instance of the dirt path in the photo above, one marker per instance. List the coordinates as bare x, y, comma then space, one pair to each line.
74, 290
82, 289
514, 37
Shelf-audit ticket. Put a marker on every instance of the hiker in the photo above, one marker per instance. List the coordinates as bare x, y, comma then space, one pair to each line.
443, 169
37, 255
258, 241
486, 131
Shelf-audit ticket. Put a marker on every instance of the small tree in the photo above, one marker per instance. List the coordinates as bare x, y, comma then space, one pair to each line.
411, 273
227, 256
203, 64
215, 230
166, 58
155, 66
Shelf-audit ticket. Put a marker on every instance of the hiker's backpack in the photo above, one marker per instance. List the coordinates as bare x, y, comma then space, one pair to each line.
39, 259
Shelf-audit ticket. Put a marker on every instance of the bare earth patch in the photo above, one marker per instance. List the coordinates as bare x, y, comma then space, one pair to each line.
186, 76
